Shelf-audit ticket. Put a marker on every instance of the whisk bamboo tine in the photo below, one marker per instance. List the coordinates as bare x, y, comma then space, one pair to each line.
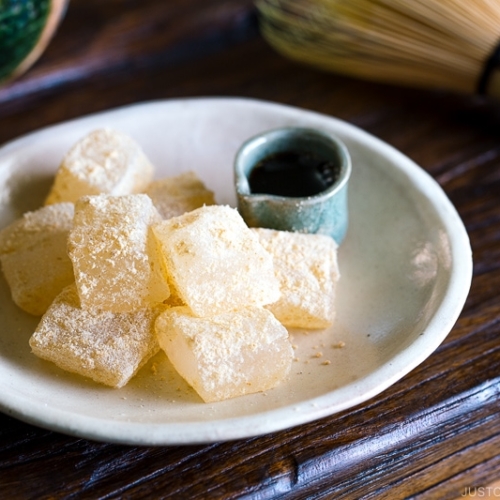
428, 43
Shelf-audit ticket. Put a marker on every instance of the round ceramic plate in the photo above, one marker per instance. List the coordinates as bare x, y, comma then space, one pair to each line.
406, 269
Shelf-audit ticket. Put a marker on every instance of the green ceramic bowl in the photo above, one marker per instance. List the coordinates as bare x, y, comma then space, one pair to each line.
26, 27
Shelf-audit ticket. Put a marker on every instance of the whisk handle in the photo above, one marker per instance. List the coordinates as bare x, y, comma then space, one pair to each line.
489, 82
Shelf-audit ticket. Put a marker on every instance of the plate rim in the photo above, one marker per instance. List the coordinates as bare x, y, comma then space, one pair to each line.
447, 313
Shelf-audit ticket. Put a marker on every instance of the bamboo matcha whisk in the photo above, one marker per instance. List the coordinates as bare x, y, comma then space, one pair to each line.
426, 43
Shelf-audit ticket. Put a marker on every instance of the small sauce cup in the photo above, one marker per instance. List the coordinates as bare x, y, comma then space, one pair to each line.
294, 179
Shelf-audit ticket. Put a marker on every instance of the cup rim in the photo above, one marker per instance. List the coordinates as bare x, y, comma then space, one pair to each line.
241, 178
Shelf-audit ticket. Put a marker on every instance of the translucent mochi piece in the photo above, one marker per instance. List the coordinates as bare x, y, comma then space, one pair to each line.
104, 161
228, 355
107, 347
214, 262
111, 247
177, 195
34, 257
307, 269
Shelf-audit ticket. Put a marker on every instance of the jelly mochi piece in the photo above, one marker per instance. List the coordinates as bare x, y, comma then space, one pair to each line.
214, 262
107, 347
228, 355
34, 256
307, 269
173, 196
111, 247
104, 161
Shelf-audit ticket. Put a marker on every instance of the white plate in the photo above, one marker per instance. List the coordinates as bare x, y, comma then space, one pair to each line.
406, 270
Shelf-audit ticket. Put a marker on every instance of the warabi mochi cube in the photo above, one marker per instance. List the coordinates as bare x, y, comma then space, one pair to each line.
307, 269
214, 262
173, 196
104, 161
107, 347
228, 355
34, 257
112, 250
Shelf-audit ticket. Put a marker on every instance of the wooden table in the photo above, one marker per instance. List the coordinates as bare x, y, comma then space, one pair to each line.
431, 435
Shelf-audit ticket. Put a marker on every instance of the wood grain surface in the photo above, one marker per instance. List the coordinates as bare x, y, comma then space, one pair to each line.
431, 435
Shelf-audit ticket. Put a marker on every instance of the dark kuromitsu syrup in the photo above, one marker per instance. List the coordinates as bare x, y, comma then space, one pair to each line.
293, 174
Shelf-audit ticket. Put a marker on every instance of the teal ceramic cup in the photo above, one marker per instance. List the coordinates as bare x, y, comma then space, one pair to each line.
308, 171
